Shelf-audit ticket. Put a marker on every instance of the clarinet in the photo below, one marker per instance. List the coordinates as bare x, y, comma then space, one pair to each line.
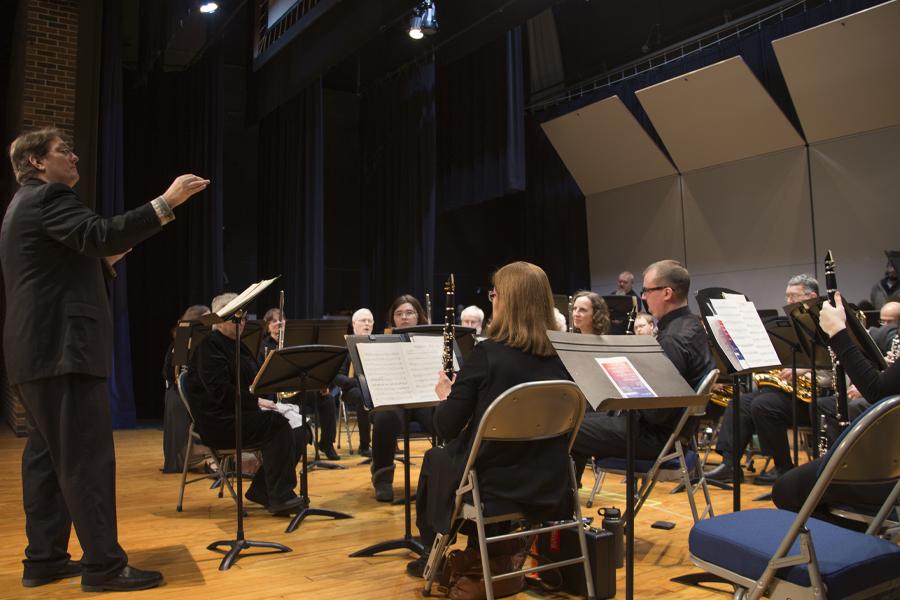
571, 310
632, 315
428, 307
449, 320
837, 370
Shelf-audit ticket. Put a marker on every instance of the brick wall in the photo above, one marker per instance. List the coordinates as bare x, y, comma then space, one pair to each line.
51, 48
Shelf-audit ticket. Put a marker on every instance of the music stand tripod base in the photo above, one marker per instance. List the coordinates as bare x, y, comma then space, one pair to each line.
236, 546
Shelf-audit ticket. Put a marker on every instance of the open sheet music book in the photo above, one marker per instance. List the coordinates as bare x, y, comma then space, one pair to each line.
401, 374
740, 334
243, 298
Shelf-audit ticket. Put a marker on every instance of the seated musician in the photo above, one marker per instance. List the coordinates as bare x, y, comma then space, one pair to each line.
625, 286
387, 425
767, 412
516, 351
643, 324
888, 317
589, 313
209, 388
473, 317
888, 288
316, 400
683, 340
792, 489
362, 323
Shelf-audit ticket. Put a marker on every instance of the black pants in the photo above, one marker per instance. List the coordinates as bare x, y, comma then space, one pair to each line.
327, 415
69, 477
793, 488
772, 416
352, 397
281, 446
388, 426
602, 435
725, 444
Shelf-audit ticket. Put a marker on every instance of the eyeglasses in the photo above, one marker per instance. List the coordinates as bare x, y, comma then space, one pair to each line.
646, 291
404, 313
492, 295
367, 320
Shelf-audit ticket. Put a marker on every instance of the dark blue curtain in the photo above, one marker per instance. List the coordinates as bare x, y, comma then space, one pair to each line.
111, 196
480, 127
399, 184
292, 204
174, 124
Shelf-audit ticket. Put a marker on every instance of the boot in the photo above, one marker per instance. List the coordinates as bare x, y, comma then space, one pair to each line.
383, 482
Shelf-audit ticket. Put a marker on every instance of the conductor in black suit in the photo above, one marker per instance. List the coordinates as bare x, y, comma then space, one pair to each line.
57, 341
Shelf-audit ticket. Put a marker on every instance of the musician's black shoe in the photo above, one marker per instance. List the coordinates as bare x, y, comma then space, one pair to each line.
129, 580
416, 568
329, 452
70, 569
365, 452
383, 482
287, 507
723, 473
769, 477
257, 496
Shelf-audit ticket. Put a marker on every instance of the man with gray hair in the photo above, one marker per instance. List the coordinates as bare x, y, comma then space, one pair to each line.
625, 287
351, 394
473, 317
209, 389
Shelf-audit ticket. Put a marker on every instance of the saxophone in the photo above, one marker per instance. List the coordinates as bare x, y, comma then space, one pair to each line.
894, 351
722, 394
449, 320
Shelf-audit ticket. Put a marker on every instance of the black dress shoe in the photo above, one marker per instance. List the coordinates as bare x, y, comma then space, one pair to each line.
416, 568
329, 452
257, 496
129, 580
365, 452
723, 473
287, 507
769, 477
71, 569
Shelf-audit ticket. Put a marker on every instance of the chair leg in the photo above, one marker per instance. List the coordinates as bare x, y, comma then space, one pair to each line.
598, 482
482, 542
686, 479
342, 413
582, 541
184, 469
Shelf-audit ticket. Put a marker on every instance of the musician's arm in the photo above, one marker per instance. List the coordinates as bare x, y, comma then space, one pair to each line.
872, 383
454, 413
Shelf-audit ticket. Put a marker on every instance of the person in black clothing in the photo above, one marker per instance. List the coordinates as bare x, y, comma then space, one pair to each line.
351, 394
58, 348
684, 342
517, 350
792, 489
209, 388
888, 288
625, 287
315, 400
405, 311
176, 420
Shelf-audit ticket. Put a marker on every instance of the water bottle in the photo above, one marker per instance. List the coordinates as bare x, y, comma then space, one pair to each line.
613, 523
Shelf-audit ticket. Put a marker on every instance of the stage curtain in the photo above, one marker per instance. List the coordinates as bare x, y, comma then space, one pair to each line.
292, 204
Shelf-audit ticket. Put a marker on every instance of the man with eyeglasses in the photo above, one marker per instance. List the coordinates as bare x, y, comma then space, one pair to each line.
363, 323
683, 340
57, 340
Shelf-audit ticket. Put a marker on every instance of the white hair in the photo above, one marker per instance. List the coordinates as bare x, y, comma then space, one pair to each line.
360, 314
220, 301
560, 319
472, 311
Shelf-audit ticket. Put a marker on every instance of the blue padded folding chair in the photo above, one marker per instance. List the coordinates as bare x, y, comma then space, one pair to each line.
786, 555
673, 462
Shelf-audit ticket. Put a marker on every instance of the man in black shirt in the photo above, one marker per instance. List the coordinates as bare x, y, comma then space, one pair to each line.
684, 341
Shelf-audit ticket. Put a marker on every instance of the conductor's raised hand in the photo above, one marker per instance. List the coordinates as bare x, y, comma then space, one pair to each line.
833, 319
442, 389
183, 188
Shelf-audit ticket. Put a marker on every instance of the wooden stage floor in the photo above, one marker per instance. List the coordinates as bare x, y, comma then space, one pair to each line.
158, 537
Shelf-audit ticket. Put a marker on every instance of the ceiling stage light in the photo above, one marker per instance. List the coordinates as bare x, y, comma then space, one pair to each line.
423, 21
209, 7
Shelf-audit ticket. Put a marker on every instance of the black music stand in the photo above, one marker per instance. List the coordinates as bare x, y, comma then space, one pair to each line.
235, 314
578, 353
407, 542
621, 311
301, 369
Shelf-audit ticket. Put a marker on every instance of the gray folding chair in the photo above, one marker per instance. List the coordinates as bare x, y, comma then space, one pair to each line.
527, 412
786, 555
672, 459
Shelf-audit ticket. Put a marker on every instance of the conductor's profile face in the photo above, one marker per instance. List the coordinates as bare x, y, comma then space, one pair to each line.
59, 165
405, 315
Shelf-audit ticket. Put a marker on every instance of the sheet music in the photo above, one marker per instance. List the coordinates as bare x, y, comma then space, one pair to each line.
741, 328
402, 373
437, 341
251, 291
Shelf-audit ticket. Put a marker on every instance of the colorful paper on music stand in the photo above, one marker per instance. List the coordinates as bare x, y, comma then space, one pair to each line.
625, 377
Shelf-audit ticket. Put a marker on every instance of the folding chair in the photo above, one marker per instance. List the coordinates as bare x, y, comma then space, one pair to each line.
221, 458
344, 423
783, 554
673, 462
527, 412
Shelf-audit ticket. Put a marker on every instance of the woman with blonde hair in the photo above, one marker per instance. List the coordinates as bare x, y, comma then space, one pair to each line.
516, 351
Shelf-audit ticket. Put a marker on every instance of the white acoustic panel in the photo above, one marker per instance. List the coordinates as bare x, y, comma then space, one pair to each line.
604, 147
748, 225
844, 76
857, 205
717, 114
631, 227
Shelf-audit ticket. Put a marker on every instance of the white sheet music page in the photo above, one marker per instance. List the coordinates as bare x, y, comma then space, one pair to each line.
423, 361
745, 328
254, 289
386, 374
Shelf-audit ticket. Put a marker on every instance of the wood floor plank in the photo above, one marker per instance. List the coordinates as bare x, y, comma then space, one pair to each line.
158, 537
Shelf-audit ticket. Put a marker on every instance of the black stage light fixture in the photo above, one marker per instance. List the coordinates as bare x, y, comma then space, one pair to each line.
423, 21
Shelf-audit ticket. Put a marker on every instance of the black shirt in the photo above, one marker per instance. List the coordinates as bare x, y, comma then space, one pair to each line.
874, 385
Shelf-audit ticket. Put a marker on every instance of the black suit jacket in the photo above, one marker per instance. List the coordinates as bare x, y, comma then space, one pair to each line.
58, 319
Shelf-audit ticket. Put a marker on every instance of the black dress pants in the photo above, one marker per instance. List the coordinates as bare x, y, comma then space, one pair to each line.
388, 426
69, 477
725, 444
772, 416
602, 435
314, 402
352, 396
